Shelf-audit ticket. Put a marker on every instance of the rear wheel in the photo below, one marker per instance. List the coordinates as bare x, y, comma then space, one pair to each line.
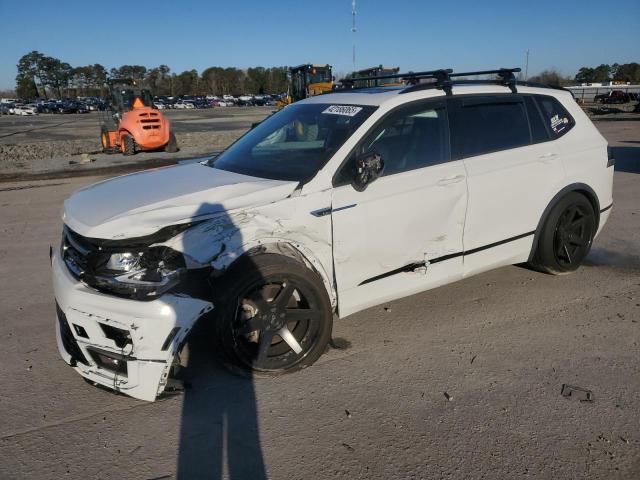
273, 315
172, 144
567, 235
128, 145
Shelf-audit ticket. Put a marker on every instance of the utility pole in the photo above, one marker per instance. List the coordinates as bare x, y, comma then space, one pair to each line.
526, 68
353, 30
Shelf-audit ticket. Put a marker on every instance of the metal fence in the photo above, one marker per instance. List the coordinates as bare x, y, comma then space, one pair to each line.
587, 94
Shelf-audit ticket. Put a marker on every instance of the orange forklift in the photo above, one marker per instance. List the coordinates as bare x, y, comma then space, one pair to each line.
132, 124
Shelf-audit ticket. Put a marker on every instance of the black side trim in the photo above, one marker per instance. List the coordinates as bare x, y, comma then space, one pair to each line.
322, 212
327, 210
501, 242
344, 208
413, 266
606, 208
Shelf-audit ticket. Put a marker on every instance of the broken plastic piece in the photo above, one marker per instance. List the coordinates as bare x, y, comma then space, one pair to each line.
582, 394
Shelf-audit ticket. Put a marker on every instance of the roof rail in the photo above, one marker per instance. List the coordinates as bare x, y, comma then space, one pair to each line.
443, 79
505, 76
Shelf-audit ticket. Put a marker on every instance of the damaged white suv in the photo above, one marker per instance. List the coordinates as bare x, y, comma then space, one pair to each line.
332, 205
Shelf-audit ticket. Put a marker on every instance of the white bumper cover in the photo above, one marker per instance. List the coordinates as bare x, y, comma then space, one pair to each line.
153, 332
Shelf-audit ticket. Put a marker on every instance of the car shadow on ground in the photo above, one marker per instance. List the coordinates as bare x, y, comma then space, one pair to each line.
219, 434
627, 159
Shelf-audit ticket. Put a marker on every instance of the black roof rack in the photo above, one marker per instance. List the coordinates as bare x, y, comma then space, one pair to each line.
443, 79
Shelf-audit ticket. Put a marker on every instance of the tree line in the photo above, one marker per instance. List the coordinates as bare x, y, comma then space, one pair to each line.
42, 76
626, 72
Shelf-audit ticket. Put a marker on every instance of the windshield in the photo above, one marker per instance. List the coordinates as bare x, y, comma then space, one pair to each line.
318, 76
294, 143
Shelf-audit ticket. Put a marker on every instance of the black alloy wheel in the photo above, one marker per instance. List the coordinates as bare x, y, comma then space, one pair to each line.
566, 235
274, 315
573, 236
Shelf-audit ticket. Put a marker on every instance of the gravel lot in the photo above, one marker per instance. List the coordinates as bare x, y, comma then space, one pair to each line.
51, 143
460, 382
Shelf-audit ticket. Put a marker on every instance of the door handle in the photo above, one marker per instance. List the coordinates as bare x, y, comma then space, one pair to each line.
450, 180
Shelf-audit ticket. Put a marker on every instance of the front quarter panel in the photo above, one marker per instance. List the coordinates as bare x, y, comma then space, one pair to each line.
293, 222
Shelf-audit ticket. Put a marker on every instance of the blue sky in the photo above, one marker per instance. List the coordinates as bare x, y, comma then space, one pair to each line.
412, 34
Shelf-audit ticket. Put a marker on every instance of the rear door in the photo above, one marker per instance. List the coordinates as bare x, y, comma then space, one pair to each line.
511, 168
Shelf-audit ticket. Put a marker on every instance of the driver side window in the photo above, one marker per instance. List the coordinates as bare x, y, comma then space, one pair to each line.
412, 137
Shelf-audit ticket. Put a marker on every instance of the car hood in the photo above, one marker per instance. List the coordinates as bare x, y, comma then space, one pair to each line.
142, 203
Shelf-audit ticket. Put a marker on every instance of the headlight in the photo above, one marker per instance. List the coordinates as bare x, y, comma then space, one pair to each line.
141, 275
124, 262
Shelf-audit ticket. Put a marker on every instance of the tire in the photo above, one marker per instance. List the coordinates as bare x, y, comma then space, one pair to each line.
566, 236
128, 145
259, 297
105, 141
172, 144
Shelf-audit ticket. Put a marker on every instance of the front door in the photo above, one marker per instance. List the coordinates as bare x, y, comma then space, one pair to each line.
403, 233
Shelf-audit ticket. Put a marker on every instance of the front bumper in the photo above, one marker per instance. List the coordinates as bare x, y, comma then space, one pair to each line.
126, 345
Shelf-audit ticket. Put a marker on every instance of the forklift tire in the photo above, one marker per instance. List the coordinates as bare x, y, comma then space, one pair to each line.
104, 140
128, 145
172, 144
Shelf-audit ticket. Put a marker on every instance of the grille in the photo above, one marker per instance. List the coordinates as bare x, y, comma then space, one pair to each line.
150, 120
68, 340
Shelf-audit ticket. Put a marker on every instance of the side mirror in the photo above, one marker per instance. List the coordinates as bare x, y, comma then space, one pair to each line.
368, 167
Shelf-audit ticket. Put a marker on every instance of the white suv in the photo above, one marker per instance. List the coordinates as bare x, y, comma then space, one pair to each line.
332, 205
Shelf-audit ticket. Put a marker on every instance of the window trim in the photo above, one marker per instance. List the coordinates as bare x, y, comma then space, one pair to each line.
537, 112
435, 101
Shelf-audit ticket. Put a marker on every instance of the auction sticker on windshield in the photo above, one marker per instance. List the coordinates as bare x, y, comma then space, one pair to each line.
346, 110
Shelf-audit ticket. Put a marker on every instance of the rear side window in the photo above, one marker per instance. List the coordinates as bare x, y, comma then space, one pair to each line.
487, 124
557, 119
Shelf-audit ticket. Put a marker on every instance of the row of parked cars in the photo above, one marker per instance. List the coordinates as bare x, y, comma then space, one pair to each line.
209, 101
11, 106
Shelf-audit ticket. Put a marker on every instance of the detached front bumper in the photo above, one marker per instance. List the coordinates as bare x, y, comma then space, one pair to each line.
126, 345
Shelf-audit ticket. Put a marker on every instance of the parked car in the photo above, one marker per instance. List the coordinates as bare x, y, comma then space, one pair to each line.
64, 106
335, 204
245, 100
82, 107
25, 110
184, 104
202, 103
5, 108
614, 97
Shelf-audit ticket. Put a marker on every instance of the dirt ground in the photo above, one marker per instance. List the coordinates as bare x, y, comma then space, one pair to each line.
52, 143
459, 382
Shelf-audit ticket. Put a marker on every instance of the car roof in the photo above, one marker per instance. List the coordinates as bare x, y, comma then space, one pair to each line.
377, 96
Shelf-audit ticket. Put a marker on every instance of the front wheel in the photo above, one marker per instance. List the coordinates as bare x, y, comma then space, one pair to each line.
273, 315
567, 235
172, 144
128, 145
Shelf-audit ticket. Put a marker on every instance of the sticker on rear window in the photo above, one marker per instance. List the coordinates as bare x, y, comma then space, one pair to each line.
346, 110
558, 124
